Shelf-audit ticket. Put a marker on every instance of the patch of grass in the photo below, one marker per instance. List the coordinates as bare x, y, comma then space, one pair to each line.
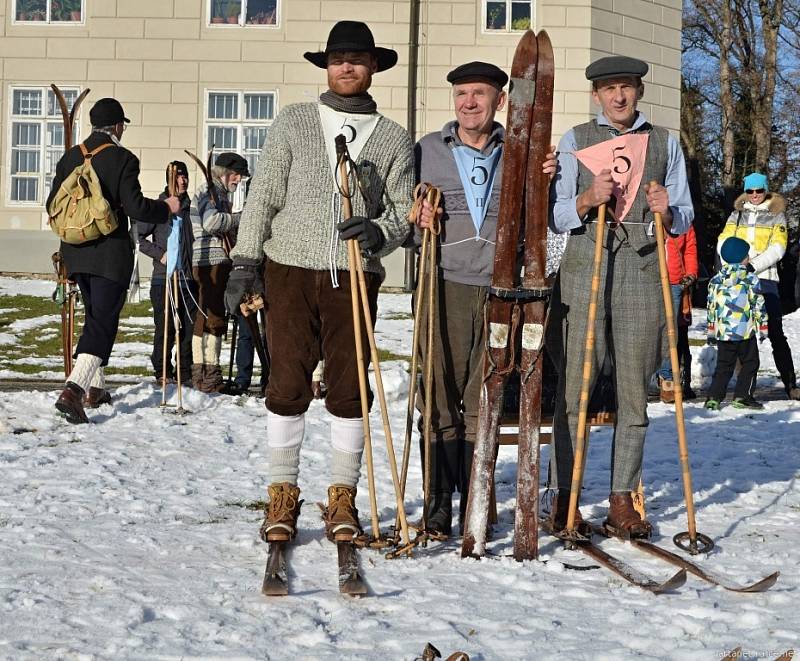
254, 505
398, 316
386, 355
696, 342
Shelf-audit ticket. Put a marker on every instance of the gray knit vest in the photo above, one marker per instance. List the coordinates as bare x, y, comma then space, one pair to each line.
637, 222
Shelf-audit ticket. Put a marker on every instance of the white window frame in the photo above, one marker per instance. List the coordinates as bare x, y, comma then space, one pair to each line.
48, 20
240, 123
508, 29
242, 14
43, 119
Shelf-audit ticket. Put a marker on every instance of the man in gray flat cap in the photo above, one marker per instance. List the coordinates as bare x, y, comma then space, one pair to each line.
630, 320
464, 160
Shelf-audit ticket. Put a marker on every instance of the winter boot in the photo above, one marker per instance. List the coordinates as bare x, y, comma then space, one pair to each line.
281, 512
466, 450
198, 374
212, 379
70, 403
439, 507
97, 397
341, 515
560, 512
748, 402
790, 385
623, 520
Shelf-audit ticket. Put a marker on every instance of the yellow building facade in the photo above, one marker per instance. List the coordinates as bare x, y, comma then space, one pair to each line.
193, 72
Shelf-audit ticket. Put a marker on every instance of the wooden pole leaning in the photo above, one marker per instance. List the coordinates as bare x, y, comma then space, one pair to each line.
434, 197
171, 176
176, 321
358, 287
693, 537
588, 358
419, 296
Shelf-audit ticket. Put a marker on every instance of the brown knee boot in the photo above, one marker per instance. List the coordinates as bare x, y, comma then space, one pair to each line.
341, 515
281, 512
623, 519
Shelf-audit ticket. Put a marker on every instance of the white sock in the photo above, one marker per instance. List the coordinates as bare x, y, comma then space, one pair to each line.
285, 431
197, 350
319, 371
99, 379
212, 345
83, 370
347, 434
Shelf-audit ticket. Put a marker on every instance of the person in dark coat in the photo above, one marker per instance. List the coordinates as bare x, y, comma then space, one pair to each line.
153, 243
102, 267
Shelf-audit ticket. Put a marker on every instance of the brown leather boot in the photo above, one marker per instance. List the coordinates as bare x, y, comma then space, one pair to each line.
341, 515
560, 512
97, 397
198, 373
623, 519
666, 390
70, 403
281, 512
212, 379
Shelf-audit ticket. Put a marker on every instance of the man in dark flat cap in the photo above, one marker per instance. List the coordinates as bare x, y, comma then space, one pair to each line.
464, 160
102, 267
213, 226
630, 320
294, 217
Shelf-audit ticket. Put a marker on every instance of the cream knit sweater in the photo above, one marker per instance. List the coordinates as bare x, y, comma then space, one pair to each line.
293, 204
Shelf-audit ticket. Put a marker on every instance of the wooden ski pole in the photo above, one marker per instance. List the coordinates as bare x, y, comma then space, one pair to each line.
588, 358
355, 257
70, 324
419, 295
171, 174
434, 196
176, 322
706, 543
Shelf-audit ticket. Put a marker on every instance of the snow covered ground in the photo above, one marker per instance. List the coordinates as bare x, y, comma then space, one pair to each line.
128, 539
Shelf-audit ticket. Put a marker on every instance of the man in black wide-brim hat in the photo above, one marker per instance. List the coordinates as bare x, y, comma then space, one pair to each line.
294, 217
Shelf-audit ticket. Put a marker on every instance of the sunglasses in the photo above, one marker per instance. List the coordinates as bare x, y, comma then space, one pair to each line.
754, 191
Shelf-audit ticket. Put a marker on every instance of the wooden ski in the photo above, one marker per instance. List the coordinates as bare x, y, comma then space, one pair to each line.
515, 309
350, 581
534, 309
276, 581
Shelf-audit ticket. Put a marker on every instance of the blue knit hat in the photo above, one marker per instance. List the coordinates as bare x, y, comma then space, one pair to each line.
734, 250
755, 180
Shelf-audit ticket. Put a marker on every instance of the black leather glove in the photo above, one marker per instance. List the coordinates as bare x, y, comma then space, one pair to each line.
688, 280
244, 279
369, 235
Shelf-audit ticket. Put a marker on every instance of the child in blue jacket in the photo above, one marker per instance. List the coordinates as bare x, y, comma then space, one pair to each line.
736, 315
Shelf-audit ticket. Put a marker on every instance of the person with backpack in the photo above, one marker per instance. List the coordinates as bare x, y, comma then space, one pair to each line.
102, 264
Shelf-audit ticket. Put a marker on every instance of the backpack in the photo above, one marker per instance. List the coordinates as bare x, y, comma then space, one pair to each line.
79, 212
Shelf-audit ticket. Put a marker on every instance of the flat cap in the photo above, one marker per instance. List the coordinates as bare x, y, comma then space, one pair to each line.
232, 161
478, 72
107, 112
615, 66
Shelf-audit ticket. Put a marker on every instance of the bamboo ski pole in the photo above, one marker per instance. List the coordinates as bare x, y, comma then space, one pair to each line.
362, 284
71, 325
588, 358
165, 344
352, 258
680, 422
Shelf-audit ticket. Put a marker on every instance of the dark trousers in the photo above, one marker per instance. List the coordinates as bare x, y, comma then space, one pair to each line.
308, 316
211, 282
781, 352
187, 312
745, 351
245, 353
102, 301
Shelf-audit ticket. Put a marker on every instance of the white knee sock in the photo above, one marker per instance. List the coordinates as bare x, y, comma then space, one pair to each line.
284, 438
84, 369
99, 379
197, 350
347, 439
212, 345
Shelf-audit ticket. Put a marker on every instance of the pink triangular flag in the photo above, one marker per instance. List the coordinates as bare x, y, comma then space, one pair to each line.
624, 156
